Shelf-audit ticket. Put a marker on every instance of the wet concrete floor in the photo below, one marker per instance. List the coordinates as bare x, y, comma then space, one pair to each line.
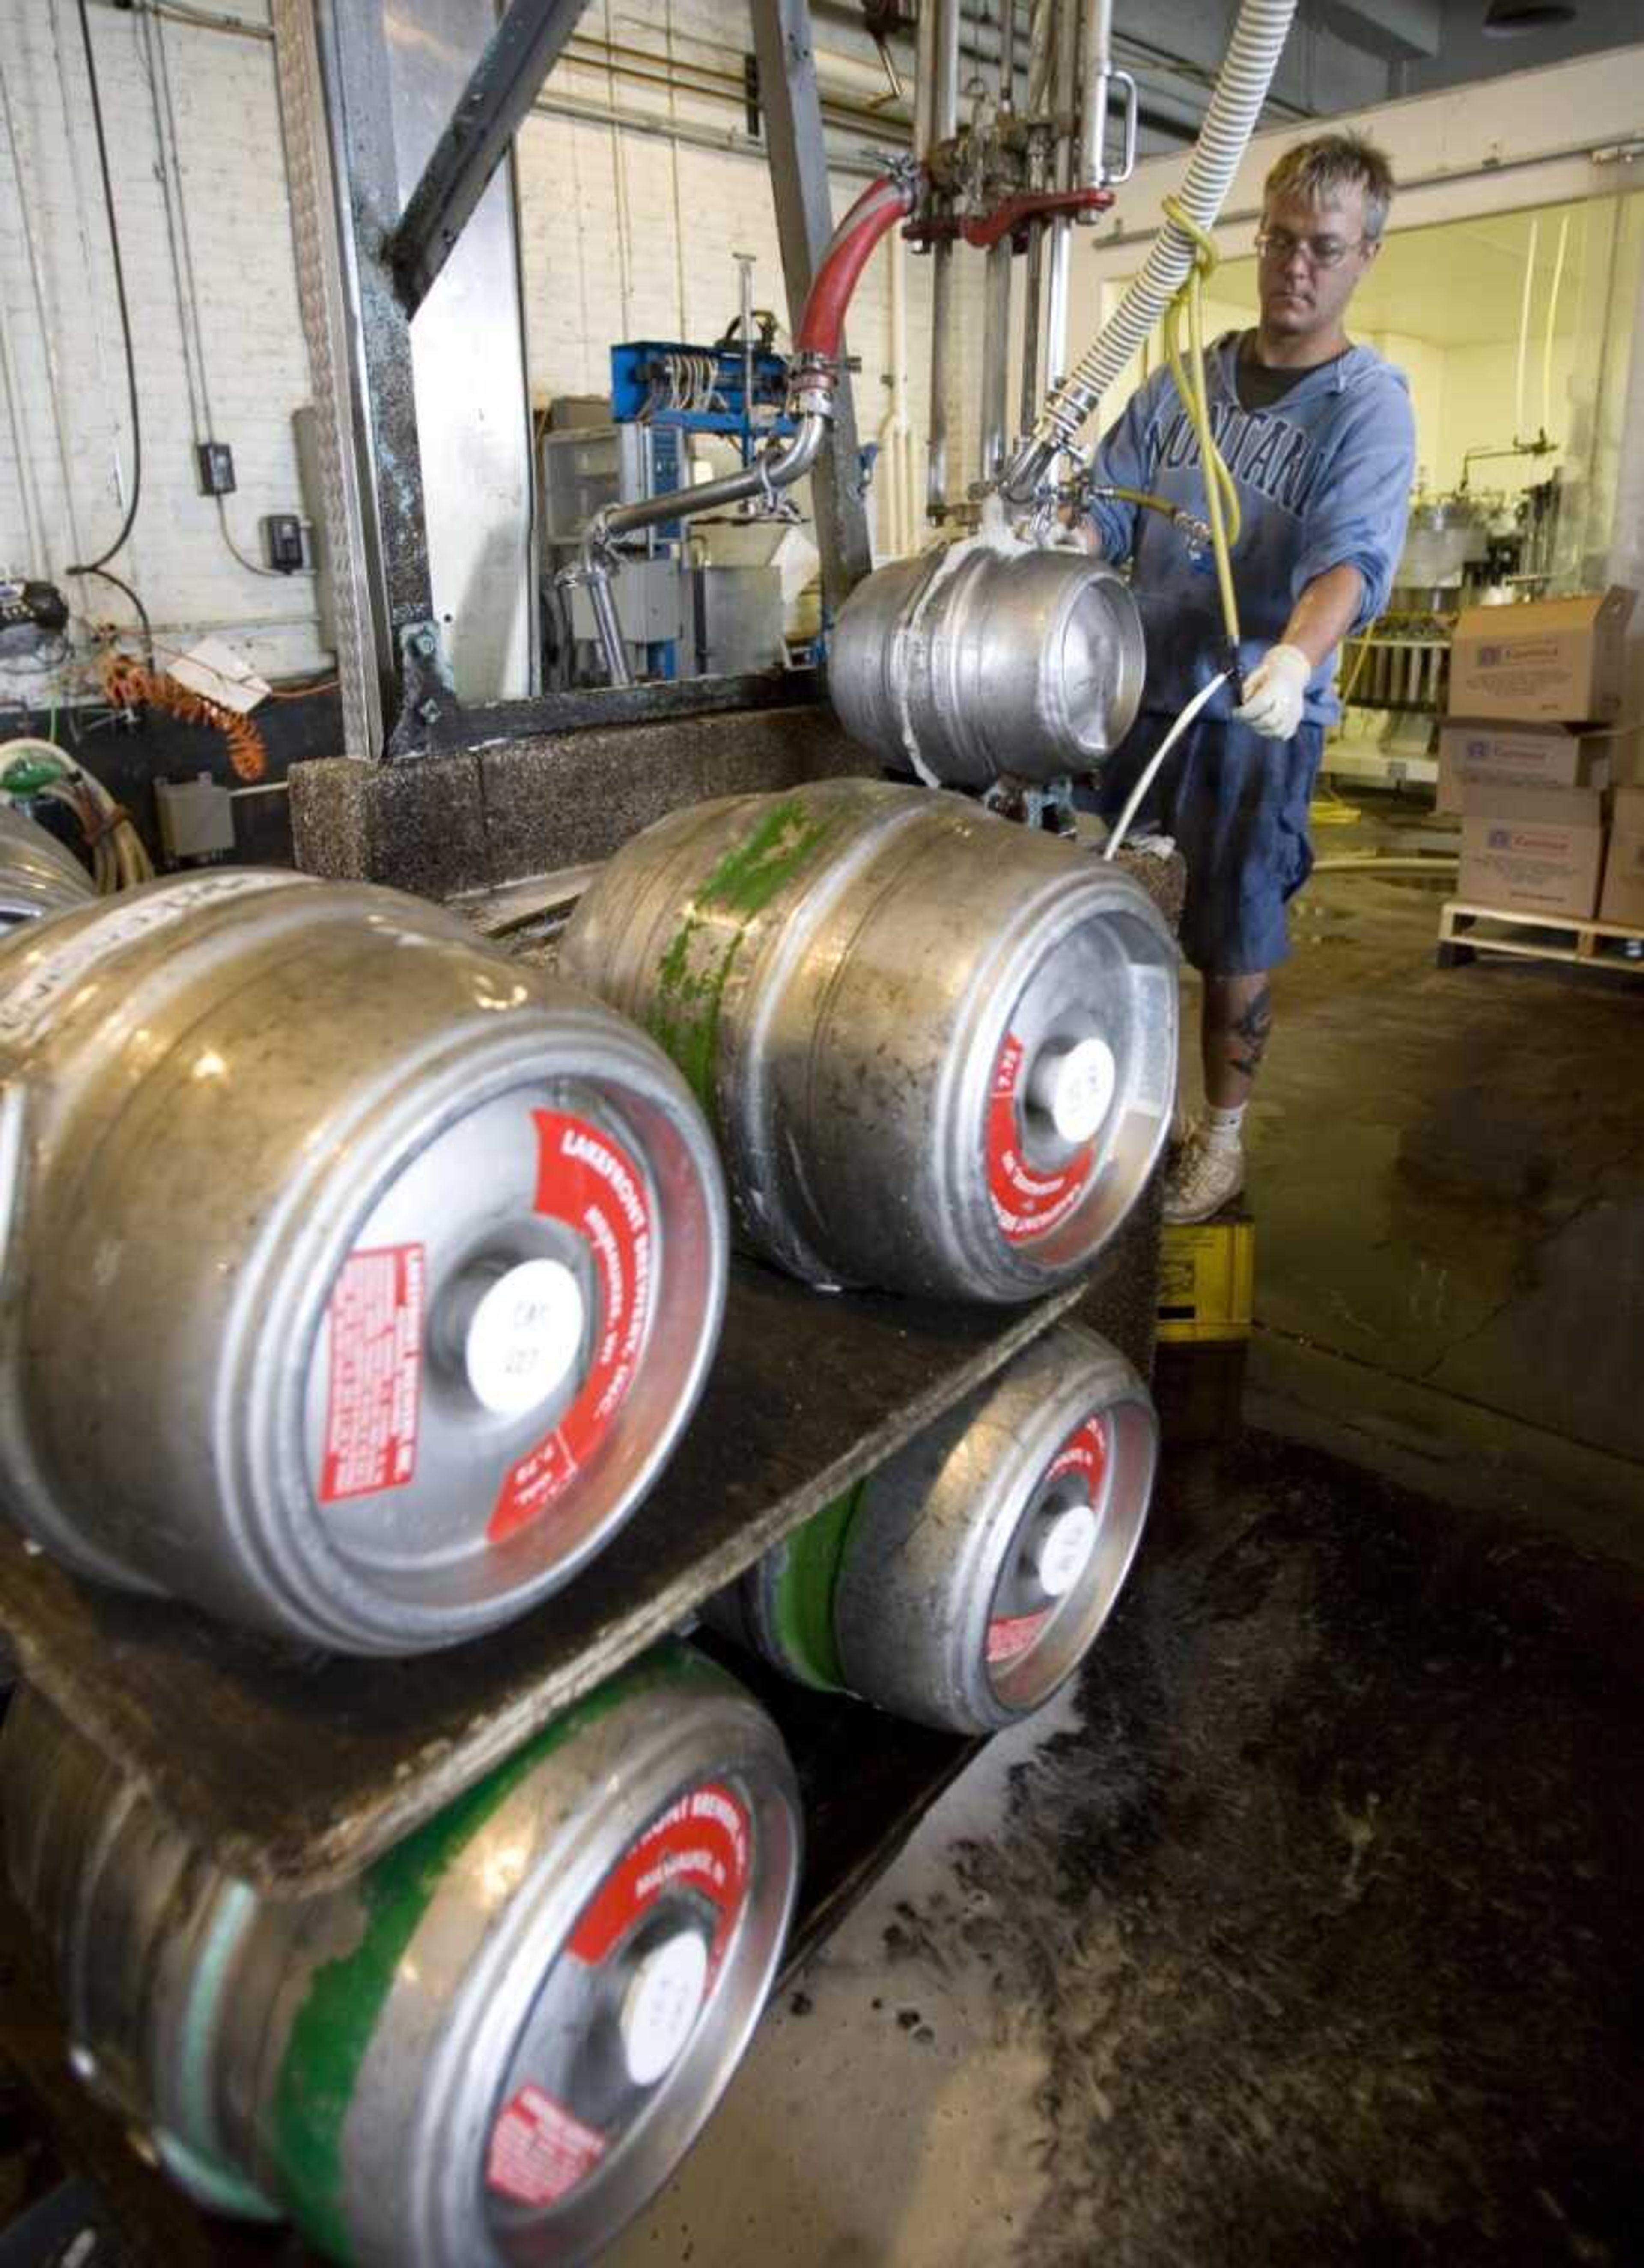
1304, 1929
1448, 1167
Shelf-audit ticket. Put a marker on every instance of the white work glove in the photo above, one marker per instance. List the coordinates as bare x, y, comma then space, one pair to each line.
1274, 692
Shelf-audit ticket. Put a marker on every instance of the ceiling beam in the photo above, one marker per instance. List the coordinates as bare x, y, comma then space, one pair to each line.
1397, 30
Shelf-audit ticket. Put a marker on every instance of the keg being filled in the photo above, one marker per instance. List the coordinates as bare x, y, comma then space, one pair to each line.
38, 874
939, 1049
972, 663
492, 2048
358, 1282
965, 1579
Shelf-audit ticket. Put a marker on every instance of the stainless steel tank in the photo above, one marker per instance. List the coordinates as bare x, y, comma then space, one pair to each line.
1447, 544
487, 2052
356, 1284
972, 665
964, 1580
38, 874
939, 1049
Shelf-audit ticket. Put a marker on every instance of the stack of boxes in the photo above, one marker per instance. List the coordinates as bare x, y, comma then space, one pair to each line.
1530, 758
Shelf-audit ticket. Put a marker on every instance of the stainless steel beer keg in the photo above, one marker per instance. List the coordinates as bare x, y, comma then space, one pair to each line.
356, 1284
963, 1581
970, 664
487, 2052
939, 1049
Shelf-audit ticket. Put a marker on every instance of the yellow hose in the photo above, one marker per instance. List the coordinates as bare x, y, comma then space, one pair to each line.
1221, 498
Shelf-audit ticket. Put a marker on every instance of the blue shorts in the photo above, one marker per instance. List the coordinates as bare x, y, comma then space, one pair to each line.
1237, 806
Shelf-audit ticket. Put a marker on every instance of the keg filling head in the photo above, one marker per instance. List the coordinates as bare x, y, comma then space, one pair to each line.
521, 1332
1074, 1086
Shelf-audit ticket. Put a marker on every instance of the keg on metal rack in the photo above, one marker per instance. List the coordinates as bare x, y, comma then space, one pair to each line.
974, 664
38, 874
939, 1049
486, 2053
357, 1282
965, 1579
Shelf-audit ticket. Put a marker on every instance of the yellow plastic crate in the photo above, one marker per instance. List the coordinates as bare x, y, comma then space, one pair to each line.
1207, 1281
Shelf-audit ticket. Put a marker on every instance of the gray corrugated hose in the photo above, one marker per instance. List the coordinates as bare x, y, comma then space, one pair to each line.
1252, 57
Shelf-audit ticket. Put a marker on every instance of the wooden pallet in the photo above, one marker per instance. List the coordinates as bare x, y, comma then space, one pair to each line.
1536, 936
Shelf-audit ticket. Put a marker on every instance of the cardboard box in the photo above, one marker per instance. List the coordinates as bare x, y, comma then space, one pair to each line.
1623, 899
1477, 753
1556, 661
1535, 849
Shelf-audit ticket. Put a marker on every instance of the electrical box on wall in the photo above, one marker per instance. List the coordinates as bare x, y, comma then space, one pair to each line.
282, 542
215, 461
196, 820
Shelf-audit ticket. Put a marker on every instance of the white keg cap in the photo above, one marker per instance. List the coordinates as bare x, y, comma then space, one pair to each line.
662, 2005
1075, 1085
524, 1336
1060, 1552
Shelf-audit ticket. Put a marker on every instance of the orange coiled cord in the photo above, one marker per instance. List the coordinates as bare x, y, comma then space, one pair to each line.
126, 684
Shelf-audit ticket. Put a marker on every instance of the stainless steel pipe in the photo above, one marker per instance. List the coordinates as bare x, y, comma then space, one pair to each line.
1095, 74
491, 2049
924, 82
945, 94
996, 358
939, 1049
776, 468
360, 1282
1067, 92
941, 335
1032, 326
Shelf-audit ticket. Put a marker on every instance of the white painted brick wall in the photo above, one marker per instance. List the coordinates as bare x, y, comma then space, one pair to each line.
256, 365
622, 234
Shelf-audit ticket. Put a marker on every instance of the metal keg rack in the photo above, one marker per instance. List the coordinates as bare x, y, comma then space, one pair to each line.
296, 1769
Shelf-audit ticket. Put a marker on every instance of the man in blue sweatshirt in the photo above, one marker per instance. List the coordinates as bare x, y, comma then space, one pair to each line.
1320, 439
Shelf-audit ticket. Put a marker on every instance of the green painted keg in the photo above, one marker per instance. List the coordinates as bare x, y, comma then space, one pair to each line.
486, 2053
963, 1581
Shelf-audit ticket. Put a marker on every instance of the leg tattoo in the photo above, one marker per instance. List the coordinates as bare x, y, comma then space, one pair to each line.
1252, 1029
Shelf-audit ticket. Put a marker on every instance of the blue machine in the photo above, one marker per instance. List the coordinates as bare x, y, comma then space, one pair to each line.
669, 385
663, 390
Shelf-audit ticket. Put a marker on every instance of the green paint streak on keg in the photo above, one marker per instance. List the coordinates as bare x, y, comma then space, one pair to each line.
334, 2027
802, 1607
684, 1020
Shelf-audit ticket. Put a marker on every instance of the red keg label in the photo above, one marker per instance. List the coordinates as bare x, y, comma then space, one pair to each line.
374, 1330
1010, 1636
540, 2151
1026, 1204
703, 1843
589, 1182
1085, 1451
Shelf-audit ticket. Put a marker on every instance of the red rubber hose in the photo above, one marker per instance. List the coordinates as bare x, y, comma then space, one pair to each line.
879, 208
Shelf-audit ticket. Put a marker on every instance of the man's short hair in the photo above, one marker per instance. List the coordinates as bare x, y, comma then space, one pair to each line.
1316, 172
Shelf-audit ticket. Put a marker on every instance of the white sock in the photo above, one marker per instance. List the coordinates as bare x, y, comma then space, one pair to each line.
1221, 1127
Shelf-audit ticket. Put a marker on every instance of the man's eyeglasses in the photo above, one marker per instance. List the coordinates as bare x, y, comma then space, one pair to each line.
1278, 245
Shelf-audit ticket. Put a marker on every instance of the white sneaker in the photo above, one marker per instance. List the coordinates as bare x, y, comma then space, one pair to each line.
1200, 1180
